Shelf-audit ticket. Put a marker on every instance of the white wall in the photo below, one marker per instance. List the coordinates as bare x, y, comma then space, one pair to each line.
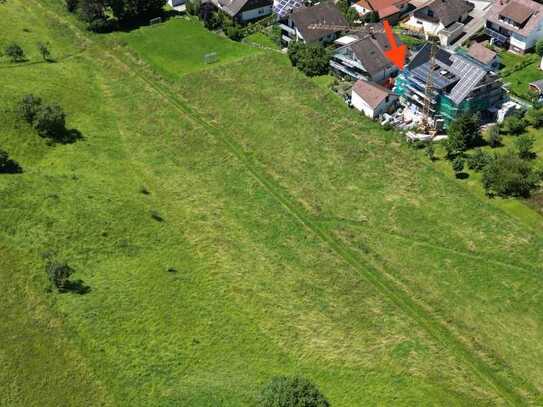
359, 104
256, 13
426, 26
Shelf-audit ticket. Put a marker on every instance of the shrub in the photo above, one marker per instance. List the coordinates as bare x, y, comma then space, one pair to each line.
43, 49
539, 48
524, 145
509, 175
50, 121
514, 125
311, 59
7, 165
233, 32
534, 117
193, 7
493, 136
101, 25
430, 152
291, 392
478, 160
29, 107
458, 165
71, 5
14, 52
59, 274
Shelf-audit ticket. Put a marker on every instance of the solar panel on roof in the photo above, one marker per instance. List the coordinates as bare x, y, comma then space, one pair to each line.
283, 7
470, 74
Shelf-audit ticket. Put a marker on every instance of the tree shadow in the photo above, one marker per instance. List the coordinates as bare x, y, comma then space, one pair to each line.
76, 287
462, 175
67, 136
11, 167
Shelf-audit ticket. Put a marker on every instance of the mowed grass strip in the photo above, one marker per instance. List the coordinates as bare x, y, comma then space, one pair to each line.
179, 46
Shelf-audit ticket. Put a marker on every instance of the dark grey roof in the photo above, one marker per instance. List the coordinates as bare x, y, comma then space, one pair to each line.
233, 7
456, 74
322, 13
370, 48
538, 85
445, 11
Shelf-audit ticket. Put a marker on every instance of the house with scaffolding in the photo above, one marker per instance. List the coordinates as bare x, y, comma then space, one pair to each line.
447, 84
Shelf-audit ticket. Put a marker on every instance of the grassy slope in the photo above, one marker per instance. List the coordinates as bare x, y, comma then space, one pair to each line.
256, 293
179, 46
519, 81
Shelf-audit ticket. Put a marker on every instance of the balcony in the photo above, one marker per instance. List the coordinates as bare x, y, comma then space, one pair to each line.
504, 39
288, 29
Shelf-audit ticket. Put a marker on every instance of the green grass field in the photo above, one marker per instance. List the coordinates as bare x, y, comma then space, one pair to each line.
306, 240
178, 46
519, 80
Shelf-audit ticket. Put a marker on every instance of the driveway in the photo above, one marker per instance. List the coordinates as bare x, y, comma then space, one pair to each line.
478, 16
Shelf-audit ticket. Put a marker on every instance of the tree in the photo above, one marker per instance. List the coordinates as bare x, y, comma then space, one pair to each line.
71, 5
524, 145
131, 10
534, 117
59, 274
493, 136
463, 133
509, 175
539, 47
50, 122
14, 52
430, 152
285, 391
234, 32
311, 59
514, 125
458, 165
43, 49
478, 160
29, 107
193, 7
371, 17
90, 10
209, 15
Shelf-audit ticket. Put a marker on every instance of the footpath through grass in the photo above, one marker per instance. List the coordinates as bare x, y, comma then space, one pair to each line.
282, 225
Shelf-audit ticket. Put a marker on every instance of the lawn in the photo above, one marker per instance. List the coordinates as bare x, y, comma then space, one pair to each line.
517, 75
178, 46
261, 39
303, 240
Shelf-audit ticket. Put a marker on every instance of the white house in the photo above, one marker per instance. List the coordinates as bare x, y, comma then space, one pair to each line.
371, 99
515, 24
441, 18
243, 11
392, 10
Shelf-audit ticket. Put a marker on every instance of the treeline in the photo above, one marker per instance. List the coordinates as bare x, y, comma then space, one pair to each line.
96, 13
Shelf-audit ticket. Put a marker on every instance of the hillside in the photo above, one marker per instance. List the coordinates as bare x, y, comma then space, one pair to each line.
304, 239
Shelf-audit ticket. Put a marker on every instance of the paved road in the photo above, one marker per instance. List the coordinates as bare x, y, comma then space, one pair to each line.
478, 21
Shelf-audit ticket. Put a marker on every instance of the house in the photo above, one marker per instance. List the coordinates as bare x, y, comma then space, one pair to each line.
392, 10
282, 8
448, 85
299, 26
537, 88
484, 55
441, 18
360, 55
371, 99
515, 24
243, 11
176, 3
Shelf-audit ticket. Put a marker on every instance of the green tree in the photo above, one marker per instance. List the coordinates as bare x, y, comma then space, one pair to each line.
193, 7
514, 125
59, 274
371, 17
50, 122
539, 47
524, 145
43, 49
311, 59
463, 133
210, 17
130, 10
430, 151
493, 136
28, 107
509, 175
458, 165
91, 10
14, 52
534, 117
285, 391
71, 5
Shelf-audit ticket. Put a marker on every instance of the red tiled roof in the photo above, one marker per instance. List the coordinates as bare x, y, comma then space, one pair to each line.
388, 11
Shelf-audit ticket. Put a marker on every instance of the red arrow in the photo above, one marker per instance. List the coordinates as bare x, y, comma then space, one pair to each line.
395, 54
